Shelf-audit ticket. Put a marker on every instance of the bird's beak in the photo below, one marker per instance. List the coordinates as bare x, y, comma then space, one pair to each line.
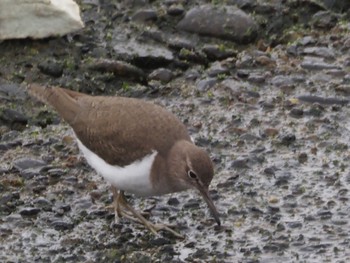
205, 193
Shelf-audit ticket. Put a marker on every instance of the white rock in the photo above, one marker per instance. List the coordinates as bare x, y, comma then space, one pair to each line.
38, 18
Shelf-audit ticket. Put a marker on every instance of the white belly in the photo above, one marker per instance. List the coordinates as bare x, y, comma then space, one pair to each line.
133, 178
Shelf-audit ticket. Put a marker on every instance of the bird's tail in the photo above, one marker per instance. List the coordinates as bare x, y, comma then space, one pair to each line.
64, 101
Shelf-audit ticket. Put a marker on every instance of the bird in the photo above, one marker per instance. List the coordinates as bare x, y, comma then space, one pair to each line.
137, 146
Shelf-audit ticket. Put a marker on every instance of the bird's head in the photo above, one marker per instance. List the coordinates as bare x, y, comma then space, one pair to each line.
193, 168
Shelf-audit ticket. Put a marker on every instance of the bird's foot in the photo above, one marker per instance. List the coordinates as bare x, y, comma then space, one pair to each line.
123, 209
154, 228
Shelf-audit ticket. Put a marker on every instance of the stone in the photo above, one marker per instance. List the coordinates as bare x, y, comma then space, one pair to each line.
51, 68
282, 81
240, 164
162, 74
61, 225
38, 18
11, 91
323, 100
143, 16
324, 19
296, 113
29, 211
257, 78
216, 69
144, 54
178, 43
217, 52
206, 84
288, 139
307, 40
197, 57
312, 63
118, 68
324, 52
175, 10
24, 163
173, 201
11, 116
226, 23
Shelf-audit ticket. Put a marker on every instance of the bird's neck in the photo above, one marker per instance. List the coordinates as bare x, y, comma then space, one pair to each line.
162, 178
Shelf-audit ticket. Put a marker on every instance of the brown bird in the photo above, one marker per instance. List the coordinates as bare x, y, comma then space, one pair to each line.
135, 145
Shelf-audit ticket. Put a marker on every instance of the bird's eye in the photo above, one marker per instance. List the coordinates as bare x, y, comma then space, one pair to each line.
192, 174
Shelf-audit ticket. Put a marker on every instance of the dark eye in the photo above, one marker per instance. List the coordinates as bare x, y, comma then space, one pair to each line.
191, 174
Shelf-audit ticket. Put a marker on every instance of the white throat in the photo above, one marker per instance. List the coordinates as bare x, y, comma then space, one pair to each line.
133, 178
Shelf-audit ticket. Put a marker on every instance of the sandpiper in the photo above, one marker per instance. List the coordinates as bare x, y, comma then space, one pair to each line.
137, 146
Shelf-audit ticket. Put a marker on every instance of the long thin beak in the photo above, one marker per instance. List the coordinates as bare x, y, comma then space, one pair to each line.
205, 193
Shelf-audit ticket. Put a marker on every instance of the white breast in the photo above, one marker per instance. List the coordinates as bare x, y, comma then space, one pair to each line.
133, 178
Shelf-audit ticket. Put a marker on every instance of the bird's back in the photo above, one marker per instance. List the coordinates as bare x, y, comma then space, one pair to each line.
115, 128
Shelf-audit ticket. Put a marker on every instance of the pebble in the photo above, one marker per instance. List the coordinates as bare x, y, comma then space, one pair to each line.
336, 72
24, 163
144, 55
296, 113
193, 56
282, 81
56, 173
205, 84
12, 91
159, 241
316, 64
161, 74
145, 15
295, 224
216, 69
82, 204
240, 164
191, 204
325, 214
8, 202
270, 170
288, 139
119, 68
324, 19
244, 61
61, 225
307, 40
13, 117
51, 67
29, 173
43, 204
8, 145
226, 23
283, 179
175, 10
258, 78
216, 52
29, 211
173, 201
179, 43
322, 100
320, 52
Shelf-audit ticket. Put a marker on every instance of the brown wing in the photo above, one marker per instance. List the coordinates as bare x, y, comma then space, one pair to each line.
122, 130
119, 130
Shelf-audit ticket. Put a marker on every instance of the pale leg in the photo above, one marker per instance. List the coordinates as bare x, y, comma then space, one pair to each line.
122, 208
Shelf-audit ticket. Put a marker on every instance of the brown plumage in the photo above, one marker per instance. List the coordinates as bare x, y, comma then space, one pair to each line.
119, 130
124, 130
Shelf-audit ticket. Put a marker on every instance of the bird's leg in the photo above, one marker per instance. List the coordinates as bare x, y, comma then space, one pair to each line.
117, 211
120, 202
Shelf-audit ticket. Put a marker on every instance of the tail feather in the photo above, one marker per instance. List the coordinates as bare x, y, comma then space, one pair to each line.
64, 101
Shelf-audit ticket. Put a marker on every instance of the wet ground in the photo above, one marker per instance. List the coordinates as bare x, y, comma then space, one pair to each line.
273, 114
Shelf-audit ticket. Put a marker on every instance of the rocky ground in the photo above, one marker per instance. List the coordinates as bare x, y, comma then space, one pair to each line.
264, 88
